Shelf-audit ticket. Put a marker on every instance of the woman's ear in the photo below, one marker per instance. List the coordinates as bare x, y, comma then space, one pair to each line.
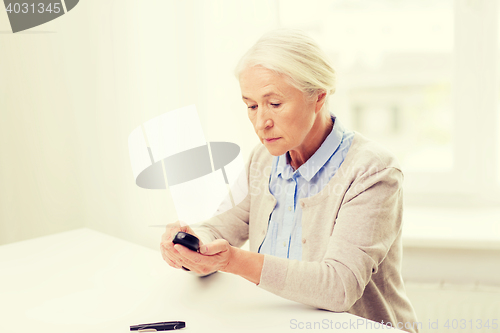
320, 101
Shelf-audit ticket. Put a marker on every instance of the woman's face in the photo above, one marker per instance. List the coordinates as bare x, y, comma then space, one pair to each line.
278, 110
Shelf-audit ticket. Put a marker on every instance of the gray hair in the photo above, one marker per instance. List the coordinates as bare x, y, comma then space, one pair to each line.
292, 53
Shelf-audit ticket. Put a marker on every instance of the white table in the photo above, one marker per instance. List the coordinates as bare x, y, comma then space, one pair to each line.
86, 281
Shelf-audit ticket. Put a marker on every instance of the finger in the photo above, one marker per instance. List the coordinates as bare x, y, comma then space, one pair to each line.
169, 261
168, 249
188, 255
168, 235
179, 262
165, 243
196, 262
187, 229
217, 246
186, 263
172, 263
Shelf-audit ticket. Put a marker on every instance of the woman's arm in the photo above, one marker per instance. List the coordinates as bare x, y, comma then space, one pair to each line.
366, 227
247, 264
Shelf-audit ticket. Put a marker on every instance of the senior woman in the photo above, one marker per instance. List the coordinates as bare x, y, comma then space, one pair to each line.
323, 214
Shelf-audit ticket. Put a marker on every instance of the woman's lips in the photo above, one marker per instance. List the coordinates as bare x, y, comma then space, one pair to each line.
271, 140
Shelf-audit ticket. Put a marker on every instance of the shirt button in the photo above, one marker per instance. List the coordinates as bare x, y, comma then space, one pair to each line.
302, 204
289, 208
303, 240
263, 232
284, 244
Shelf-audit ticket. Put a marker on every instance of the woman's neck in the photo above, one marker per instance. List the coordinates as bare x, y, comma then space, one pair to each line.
321, 129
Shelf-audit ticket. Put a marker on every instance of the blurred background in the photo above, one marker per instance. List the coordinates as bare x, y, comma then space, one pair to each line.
420, 77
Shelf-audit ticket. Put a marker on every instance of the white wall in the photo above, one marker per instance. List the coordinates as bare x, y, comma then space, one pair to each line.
73, 89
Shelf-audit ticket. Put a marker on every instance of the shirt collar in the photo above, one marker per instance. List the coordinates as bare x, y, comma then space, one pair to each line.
309, 169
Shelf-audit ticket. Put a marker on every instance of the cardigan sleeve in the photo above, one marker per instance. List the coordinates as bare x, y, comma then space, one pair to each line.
367, 224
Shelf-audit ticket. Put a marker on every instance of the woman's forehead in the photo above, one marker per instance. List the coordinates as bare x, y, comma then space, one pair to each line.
263, 82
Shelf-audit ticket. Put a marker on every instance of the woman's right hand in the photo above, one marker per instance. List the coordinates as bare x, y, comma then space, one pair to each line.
168, 252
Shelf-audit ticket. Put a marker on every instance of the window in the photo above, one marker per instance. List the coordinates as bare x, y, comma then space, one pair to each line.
417, 77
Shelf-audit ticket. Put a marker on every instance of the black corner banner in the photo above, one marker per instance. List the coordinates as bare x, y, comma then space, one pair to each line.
26, 14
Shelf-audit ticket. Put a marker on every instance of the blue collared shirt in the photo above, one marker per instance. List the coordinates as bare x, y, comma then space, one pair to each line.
284, 233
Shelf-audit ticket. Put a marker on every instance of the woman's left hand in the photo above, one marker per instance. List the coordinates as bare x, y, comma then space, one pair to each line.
212, 257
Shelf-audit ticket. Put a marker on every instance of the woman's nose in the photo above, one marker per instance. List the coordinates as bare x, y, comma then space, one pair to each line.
264, 120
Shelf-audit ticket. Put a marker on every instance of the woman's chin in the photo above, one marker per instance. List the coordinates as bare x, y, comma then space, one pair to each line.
275, 151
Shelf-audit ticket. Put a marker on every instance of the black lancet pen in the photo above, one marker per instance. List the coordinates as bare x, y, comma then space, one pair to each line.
154, 327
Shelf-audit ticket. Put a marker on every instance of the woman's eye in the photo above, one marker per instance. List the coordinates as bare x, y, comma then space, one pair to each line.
252, 107
275, 105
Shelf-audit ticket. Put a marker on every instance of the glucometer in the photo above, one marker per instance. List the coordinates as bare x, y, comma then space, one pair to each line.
187, 240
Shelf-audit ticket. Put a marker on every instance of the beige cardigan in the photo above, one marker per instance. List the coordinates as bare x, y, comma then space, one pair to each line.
351, 236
